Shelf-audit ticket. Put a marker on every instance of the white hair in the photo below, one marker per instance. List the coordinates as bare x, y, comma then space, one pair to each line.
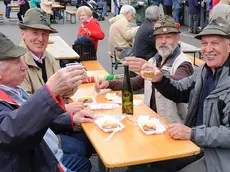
152, 13
127, 8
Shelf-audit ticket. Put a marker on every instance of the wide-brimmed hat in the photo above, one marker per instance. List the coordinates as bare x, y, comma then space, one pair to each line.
8, 49
216, 27
166, 24
36, 18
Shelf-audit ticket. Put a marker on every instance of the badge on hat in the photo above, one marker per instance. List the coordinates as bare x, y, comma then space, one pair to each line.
165, 29
157, 25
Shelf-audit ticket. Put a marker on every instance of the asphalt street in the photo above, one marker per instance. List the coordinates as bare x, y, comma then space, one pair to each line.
68, 32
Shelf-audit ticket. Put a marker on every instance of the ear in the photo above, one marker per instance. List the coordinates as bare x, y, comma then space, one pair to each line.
1, 77
23, 34
228, 45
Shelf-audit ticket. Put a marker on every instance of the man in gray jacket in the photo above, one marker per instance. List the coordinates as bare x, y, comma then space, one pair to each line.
207, 92
222, 9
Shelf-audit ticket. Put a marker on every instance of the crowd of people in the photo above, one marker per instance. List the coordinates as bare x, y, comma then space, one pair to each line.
40, 131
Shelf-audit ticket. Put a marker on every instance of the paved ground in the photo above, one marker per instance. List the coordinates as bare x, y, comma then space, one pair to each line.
68, 32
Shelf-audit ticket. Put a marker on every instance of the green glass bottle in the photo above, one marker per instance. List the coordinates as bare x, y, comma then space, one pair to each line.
127, 93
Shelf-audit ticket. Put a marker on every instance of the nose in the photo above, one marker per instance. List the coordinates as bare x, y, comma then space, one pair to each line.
40, 37
208, 48
163, 40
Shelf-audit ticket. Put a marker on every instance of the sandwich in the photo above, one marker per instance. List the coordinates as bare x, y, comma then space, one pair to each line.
110, 124
148, 126
85, 100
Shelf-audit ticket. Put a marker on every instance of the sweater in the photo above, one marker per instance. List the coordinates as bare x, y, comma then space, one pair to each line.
95, 31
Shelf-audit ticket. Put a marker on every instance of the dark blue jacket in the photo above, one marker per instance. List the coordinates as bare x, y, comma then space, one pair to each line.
144, 45
22, 148
167, 2
193, 6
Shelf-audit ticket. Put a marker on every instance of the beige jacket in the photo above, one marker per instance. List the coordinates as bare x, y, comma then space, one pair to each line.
170, 111
34, 80
46, 5
222, 9
121, 33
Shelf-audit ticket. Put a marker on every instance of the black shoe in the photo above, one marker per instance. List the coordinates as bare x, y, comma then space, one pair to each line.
60, 17
189, 31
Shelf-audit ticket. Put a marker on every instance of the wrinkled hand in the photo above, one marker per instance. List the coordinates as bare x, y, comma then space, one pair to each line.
179, 131
157, 76
66, 79
83, 116
74, 107
101, 84
134, 63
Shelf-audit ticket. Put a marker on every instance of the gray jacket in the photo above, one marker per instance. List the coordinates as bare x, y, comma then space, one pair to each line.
214, 134
222, 9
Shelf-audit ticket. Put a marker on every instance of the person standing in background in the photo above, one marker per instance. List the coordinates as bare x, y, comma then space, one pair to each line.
167, 6
35, 3
177, 10
23, 7
193, 10
7, 9
140, 7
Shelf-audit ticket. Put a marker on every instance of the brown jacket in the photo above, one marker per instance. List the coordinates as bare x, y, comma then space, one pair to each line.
34, 80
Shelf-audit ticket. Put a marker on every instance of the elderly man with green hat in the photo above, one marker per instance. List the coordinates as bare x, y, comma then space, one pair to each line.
25, 119
35, 32
208, 94
171, 60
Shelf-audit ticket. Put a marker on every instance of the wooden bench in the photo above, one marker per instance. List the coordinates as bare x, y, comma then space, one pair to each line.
70, 15
1, 17
196, 61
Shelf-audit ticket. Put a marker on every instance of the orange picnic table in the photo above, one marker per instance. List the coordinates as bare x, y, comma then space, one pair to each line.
130, 146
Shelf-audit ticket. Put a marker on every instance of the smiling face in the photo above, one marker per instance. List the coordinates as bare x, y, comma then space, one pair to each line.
215, 50
166, 43
12, 72
83, 17
36, 40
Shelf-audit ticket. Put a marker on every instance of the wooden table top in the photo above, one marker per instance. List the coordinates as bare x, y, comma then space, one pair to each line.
60, 49
131, 146
15, 5
92, 65
57, 6
196, 61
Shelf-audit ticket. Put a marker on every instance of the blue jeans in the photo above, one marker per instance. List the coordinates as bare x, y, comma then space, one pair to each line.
177, 15
116, 9
75, 155
104, 4
7, 12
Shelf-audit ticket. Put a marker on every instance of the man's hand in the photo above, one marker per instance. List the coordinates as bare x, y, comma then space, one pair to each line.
66, 79
179, 131
101, 84
156, 73
83, 116
74, 107
134, 63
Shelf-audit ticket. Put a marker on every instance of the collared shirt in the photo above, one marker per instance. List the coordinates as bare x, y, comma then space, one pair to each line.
40, 60
16, 93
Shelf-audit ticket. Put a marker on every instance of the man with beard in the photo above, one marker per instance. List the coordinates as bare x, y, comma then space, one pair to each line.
169, 59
